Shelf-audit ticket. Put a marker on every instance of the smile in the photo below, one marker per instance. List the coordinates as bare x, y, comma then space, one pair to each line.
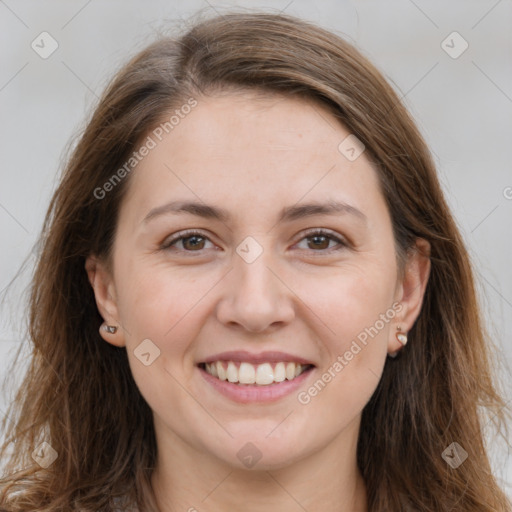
254, 374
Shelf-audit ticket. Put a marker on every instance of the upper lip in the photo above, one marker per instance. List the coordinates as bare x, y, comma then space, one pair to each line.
262, 357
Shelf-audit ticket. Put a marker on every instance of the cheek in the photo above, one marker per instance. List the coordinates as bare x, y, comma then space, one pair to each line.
356, 311
366, 313
356, 354
348, 299
168, 307
153, 297
157, 305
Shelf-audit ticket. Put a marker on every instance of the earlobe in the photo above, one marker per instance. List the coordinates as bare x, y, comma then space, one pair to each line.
104, 292
402, 339
411, 293
112, 334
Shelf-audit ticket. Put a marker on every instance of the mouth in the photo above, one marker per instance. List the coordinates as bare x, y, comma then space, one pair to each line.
244, 373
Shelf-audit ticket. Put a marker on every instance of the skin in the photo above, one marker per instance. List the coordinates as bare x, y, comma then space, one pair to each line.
253, 156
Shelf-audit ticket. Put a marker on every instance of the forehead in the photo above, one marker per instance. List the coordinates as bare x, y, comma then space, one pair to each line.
252, 152
260, 125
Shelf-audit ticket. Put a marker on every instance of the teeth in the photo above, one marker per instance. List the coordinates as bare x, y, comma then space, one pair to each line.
261, 374
246, 374
221, 373
232, 372
279, 372
264, 374
213, 370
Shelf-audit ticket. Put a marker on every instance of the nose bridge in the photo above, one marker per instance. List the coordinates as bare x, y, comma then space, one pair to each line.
256, 297
254, 252
252, 271
255, 276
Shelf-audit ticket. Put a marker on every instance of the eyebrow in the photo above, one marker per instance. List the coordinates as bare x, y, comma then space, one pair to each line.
287, 214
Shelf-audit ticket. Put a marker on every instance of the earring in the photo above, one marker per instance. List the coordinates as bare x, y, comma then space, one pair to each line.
111, 329
401, 337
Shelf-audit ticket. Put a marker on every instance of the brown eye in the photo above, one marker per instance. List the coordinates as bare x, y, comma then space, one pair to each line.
318, 242
193, 242
187, 241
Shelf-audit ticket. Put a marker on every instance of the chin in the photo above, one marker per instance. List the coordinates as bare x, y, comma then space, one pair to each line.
259, 454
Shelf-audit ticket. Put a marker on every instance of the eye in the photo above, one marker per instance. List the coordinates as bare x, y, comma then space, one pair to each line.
194, 241
190, 240
319, 239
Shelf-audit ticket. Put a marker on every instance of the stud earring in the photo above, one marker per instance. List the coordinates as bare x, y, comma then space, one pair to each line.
111, 329
401, 337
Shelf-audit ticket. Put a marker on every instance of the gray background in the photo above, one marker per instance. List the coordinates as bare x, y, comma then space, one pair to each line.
462, 105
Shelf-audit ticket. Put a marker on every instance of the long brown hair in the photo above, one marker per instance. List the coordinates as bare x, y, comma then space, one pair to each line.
78, 394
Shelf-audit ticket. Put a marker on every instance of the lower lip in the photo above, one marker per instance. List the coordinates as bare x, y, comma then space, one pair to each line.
251, 393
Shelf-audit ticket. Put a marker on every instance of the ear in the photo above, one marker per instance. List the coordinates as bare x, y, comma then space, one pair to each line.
411, 291
102, 283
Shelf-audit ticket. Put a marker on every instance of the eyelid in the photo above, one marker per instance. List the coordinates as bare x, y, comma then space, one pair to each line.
341, 240
323, 231
168, 241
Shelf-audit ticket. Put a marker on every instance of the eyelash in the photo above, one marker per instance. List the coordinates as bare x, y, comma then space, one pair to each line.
166, 245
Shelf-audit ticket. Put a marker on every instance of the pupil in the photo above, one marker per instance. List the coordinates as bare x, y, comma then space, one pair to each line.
194, 241
325, 239
193, 244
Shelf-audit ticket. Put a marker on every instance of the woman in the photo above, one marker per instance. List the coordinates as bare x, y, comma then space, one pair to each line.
251, 295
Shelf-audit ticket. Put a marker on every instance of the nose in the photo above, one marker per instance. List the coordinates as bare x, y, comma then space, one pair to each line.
255, 297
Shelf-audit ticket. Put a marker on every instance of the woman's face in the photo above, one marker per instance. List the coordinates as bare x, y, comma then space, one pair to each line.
255, 288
